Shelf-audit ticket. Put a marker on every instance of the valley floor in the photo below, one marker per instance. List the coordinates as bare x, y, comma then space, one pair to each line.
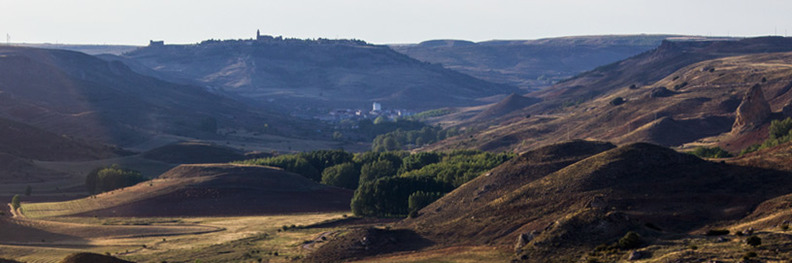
207, 239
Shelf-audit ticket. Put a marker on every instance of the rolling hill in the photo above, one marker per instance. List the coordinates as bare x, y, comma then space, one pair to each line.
562, 201
682, 92
86, 97
206, 190
530, 64
305, 74
21, 145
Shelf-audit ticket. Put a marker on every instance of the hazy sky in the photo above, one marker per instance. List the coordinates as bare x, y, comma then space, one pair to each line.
380, 21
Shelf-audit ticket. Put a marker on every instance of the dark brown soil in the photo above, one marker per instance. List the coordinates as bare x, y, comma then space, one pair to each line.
92, 258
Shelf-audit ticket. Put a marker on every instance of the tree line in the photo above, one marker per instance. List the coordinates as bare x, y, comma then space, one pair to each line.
385, 181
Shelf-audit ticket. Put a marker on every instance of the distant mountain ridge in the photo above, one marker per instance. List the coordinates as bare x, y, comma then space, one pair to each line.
679, 93
316, 73
531, 64
86, 97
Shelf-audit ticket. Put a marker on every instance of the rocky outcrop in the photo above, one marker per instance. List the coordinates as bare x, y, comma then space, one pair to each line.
787, 109
753, 110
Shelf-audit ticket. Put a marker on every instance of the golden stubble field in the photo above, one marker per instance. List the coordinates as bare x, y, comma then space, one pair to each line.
277, 238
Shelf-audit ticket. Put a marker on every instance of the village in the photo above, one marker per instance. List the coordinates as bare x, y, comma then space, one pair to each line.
338, 115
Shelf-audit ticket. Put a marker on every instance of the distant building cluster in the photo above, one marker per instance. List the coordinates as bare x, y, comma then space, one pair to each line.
359, 114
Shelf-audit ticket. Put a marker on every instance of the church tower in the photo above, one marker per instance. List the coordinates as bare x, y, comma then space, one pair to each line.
258, 34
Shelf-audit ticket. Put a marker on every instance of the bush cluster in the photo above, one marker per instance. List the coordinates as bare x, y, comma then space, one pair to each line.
780, 132
384, 181
401, 139
713, 152
105, 179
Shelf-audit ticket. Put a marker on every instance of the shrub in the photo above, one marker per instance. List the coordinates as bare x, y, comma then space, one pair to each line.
617, 101
714, 152
780, 132
780, 128
15, 202
753, 241
630, 240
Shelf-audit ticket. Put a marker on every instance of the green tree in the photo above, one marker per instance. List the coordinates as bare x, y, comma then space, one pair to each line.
322, 159
421, 199
375, 170
380, 120
418, 161
344, 175
15, 202
389, 196
292, 163
780, 128
337, 135
105, 179
714, 152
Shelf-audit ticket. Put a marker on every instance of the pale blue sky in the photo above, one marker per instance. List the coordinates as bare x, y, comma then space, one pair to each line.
380, 21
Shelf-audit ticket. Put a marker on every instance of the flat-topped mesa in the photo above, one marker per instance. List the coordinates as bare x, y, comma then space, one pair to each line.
753, 110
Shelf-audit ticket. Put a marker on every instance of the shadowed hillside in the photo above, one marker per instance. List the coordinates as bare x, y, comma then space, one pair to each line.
548, 204
21, 145
194, 152
83, 96
207, 190
303, 74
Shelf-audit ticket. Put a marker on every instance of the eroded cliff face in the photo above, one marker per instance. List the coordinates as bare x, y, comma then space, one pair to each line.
753, 110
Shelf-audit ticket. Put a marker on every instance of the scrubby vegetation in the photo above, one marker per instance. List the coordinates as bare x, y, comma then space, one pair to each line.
384, 181
431, 113
780, 132
617, 101
630, 240
401, 139
753, 241
707, 152
105, 179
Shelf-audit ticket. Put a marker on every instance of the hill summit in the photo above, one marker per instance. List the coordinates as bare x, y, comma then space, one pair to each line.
297, 73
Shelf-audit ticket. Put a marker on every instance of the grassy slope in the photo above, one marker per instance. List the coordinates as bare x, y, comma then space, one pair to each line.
206, 190
704, 107
667, 197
